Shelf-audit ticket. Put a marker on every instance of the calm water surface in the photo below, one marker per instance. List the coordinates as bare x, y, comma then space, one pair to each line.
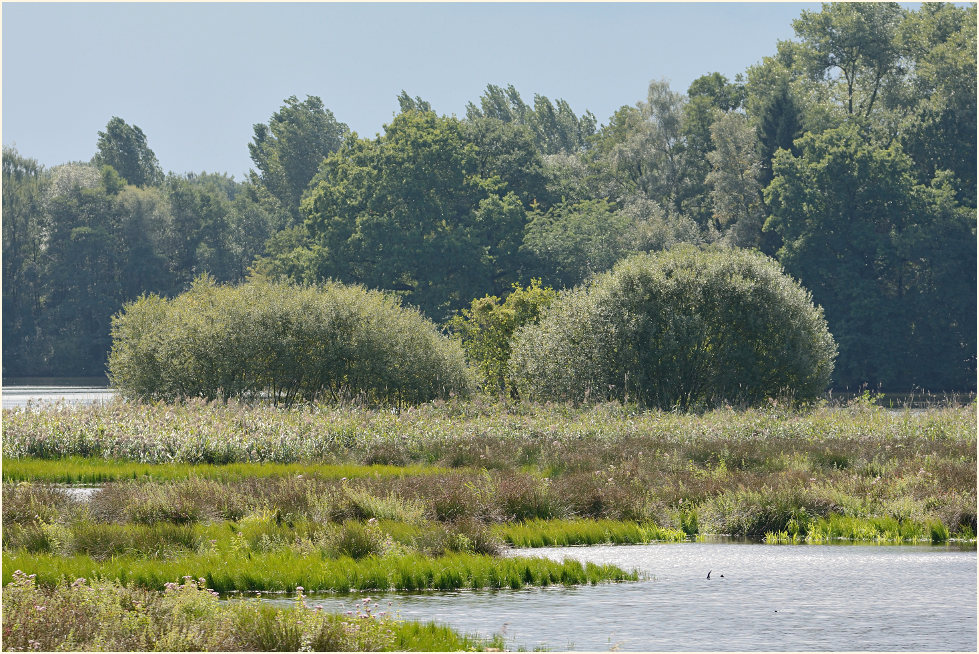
18, 396
801, 598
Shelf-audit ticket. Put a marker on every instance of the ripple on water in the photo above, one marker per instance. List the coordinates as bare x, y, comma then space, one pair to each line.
820, 597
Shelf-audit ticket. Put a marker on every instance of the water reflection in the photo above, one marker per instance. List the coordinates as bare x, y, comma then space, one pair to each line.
803, 598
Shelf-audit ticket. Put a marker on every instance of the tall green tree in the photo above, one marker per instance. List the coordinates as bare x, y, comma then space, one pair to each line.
24, 227
85, 269
195, 238
719, 91
555, 126
651, 149
571, 242
409, 212
867, 240
857, 41
508, 151
735, 180
124, 147
289, 149
939, 131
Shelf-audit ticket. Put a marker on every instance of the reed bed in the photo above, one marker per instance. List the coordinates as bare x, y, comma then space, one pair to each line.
285, 570
484, 435
105, 615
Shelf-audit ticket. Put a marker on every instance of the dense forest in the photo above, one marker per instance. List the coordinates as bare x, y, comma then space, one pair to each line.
849, 156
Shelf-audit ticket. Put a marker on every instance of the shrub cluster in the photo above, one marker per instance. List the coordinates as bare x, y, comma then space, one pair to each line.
685, 328
283, 342
487, 326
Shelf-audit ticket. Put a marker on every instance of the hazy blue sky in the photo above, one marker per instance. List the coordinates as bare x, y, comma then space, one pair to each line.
196, 77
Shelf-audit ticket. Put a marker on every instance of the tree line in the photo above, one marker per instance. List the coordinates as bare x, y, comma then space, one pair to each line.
848, 156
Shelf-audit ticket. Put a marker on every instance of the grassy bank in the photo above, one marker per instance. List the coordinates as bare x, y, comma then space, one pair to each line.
99, 615
92, 470
285, 570
562, 533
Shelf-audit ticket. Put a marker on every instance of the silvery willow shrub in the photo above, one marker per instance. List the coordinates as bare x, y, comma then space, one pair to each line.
683, 329
283, 342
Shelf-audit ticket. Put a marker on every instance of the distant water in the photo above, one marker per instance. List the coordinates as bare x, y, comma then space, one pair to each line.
18, 396
771, 598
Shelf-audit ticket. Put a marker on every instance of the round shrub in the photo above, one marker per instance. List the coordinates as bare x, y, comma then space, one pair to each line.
680, 329
282, 342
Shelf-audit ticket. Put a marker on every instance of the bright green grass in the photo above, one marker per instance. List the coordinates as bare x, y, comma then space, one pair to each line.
870, 529
560, 533
284, 570
80, 470
432, 637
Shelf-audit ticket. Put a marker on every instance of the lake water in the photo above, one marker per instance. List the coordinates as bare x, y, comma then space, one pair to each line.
19, 395
771, 597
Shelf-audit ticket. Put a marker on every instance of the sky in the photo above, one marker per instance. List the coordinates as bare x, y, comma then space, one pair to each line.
196, 77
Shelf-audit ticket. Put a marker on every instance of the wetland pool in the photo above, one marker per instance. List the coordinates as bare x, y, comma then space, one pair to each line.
771, 598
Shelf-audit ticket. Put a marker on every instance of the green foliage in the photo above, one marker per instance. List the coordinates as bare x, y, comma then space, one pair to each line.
24, 226
554, 128
685, 328
289, 150
722, 94
282, 342
124, 148
409, 212
734, 180
487, 327
890, 260
857, 40
441, 210
940, 130
574, 241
